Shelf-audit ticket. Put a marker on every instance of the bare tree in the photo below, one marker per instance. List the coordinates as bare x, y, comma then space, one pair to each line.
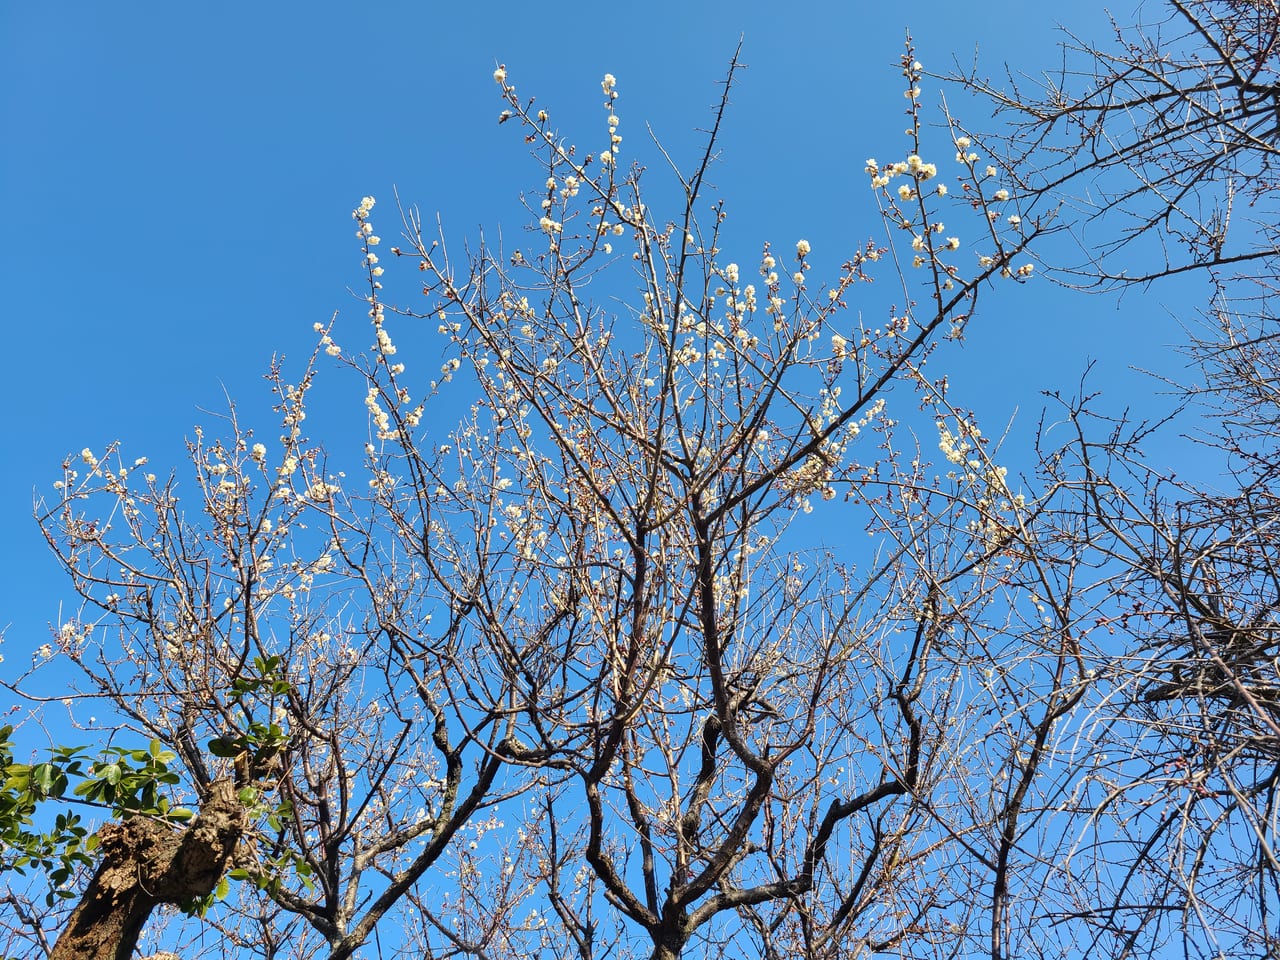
1163, 144
750, 747
584, 676
1172, 129
239, 643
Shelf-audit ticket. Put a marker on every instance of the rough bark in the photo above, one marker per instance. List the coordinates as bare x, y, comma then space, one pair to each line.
145, 863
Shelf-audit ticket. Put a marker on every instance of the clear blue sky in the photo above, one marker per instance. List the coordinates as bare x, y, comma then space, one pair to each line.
179, 179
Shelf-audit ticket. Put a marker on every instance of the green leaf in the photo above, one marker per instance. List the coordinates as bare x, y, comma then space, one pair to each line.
223, 747
42, 777
19, 777
91, 790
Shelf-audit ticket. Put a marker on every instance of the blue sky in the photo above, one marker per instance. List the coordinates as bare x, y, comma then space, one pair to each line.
179, 180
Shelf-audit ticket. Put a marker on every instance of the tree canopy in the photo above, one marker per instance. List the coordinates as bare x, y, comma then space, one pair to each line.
717, 625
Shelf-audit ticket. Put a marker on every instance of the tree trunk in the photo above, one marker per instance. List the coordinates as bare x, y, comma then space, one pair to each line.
145, 863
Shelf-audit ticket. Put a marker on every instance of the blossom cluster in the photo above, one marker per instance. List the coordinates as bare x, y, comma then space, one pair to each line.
986, 481
609, 155
905, 204
365, 232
